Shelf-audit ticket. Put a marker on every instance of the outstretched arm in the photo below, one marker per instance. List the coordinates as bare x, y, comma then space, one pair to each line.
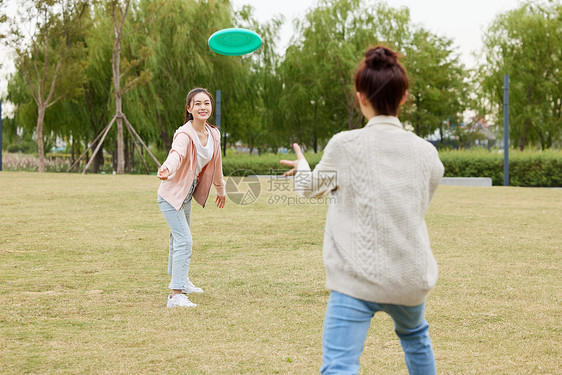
315, 183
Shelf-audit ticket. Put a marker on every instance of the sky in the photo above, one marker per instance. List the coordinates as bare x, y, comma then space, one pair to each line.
461, 20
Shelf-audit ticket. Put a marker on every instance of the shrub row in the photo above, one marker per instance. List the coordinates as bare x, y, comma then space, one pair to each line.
527, 168
268, 164
30, 163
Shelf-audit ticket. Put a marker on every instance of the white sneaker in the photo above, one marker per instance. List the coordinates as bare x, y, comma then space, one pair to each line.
190, 288
179, 300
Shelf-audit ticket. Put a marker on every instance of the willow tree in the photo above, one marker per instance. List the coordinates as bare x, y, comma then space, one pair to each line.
50, 59
182, 60
258, 113
118, 11
125, 77
92, 110
319, 65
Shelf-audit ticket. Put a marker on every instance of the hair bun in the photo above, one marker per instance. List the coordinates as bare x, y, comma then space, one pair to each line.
380, 58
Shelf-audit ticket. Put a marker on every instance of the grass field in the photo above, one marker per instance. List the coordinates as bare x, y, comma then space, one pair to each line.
83, 262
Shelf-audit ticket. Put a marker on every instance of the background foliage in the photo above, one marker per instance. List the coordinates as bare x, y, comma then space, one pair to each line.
525, 43
305, 94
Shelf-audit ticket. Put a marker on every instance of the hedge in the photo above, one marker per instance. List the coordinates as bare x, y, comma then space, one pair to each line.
235, 164
526, 168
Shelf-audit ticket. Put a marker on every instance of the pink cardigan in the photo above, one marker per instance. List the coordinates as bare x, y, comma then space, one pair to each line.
182, 161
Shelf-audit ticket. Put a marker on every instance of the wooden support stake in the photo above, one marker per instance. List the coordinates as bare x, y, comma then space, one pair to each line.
89, 147
99, 144
137, 147
140, 140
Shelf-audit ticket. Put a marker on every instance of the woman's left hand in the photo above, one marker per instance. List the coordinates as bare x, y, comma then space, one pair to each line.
220, 201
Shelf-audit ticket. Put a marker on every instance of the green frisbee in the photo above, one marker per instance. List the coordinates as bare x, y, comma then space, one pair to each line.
234, 42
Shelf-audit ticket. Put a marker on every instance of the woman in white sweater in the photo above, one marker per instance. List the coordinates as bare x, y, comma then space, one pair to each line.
376, 246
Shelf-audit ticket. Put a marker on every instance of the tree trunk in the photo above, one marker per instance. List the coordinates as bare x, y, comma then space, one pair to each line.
128, 150
315, 133
117, 86
39, 132
522, 139
132, 148
417, 125
120, 150
114, 160
76, 146
315, 137
97, 163
72, 157
164, 134
350, 123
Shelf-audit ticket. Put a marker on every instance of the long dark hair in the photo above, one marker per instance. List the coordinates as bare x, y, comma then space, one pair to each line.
189, 99
382, 79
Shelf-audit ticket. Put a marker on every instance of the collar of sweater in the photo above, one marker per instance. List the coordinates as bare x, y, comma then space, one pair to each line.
384, 120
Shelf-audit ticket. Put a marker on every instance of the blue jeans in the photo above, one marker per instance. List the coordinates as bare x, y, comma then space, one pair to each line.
345, 329
181, 241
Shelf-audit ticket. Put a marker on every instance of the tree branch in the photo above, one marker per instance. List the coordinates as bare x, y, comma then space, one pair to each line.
145, 21
131, 66
34, 54
125, 14
30, 86
46, 60
119, 28
131, 85
54, 101
53, 83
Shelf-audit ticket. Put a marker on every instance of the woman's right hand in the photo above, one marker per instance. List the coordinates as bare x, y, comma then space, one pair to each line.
163, 173
293, 163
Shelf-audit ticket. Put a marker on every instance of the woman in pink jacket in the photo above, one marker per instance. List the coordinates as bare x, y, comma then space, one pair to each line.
193, 164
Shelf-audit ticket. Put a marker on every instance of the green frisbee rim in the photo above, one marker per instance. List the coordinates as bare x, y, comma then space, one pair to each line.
234, 41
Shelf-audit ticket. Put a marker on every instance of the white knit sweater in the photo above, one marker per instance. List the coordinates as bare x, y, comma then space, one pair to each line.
376, 245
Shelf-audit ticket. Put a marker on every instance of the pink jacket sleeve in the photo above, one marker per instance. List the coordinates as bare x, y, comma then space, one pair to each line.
218, 180
178, 152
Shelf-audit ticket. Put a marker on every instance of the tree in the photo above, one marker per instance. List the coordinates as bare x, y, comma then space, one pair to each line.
438, 88
259, 109
525, 43
319, 65
119, 13
51, 63
91, 111
182, 60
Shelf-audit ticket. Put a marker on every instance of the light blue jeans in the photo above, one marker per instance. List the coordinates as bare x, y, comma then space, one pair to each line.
346, 325
181, 241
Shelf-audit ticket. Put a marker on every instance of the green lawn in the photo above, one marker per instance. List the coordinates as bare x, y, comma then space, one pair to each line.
83, 262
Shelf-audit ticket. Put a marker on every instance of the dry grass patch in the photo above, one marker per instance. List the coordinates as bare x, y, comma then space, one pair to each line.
83, 263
